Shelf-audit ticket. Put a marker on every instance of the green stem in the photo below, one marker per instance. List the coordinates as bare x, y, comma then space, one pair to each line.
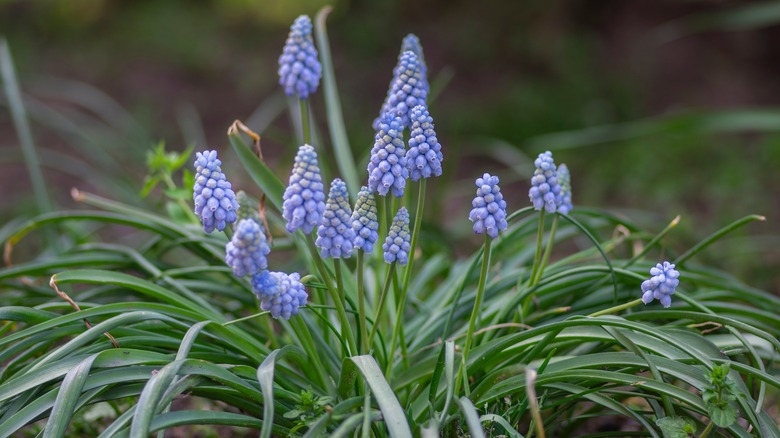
707, 430
474, 313
361, 304
381, 303
245, 318
302, 330
547, 250
334, 294
617, 309
339, 281
717, 235
538, 253
184, 206
304, 106
228, 231
398, 328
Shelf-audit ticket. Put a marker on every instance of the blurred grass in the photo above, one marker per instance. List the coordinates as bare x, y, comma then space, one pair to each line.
687, 127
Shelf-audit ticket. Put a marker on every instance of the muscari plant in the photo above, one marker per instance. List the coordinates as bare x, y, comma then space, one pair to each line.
177, 325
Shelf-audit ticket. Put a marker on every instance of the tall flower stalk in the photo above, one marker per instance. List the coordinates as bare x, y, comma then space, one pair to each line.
489, 217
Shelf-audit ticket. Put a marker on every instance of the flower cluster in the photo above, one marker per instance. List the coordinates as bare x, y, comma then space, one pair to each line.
335, 235
545, 191
407, 90
387, 166
396, 246
215, 202
489, 212
424, 157
304, 198
247, 250
564, 179
364, 221
280, 293
661, 285
299, 68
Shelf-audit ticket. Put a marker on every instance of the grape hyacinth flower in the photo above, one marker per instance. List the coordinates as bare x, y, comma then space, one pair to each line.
279, 293
247, 250
304, 197
215, 202
387, 166
248, 212
489, 212
564, 179
335, 235
545, 191
397, 244
407, 90
364, 221
424, 157
661, 285
299, 68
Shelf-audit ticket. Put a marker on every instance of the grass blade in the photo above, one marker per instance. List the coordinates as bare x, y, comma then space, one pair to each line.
258, 171
393, 413
338, 132
265, 375
19, 115
472, 417
68, 395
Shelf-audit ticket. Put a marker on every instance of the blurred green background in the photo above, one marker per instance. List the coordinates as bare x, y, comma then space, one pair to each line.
659, 108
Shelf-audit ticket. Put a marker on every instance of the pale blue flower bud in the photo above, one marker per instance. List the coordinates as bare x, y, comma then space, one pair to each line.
489, 208
215, 202
661, 285
299, 68
247, 250
397, 246
545, 191
387, 166
424, 157
335, 235
304, 198
364, 221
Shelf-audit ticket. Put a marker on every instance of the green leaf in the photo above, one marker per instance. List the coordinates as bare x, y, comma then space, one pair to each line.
336, 127
183, 418
677, 427
722, 416
265, 375
258, 171
393, 413
472, 417
68, 395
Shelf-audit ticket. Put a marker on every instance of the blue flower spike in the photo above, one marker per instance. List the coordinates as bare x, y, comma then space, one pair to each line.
279, 293
215, 201
247, 250
304, 197
335, 235
397, 246
545, 192
424, 157
564, 179
661, 285
407, 90
364, 221
299, 68
387, 166
489, 208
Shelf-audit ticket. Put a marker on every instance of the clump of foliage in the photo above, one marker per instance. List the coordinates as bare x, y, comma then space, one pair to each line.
190, 322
